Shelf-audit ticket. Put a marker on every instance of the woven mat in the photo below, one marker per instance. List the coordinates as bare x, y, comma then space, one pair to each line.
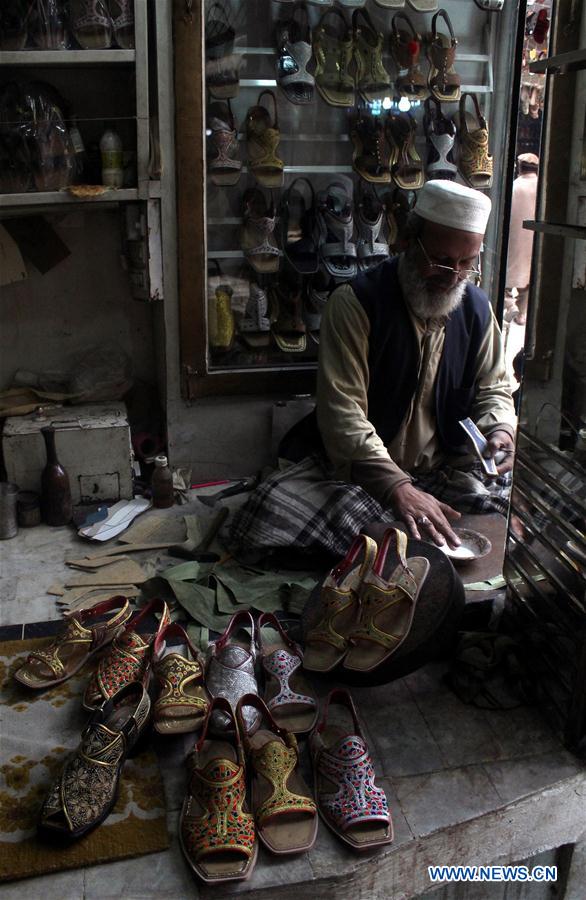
37, 731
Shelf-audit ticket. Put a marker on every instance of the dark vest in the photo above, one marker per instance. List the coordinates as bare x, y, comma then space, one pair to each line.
393, 360
393, 356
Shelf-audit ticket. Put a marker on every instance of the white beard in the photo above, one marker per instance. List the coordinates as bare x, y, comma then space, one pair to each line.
427, 305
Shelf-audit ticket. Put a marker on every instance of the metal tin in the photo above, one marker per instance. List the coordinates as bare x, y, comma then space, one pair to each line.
8, 522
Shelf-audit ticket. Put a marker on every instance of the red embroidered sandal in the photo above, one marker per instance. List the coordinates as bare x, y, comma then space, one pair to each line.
86, 789
386, 605
128, 659
444, 81
288, 696
216, 829
337, 612
284, 811
406, 50
348, 800
183, 701
84, 635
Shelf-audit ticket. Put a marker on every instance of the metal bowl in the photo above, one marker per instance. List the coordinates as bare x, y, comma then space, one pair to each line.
474, 546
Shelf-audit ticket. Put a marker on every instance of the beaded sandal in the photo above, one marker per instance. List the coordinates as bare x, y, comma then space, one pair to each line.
183, 702
333, 55
444, 81
216, 830
372, 79
223, 165
288, 696
262, 140
406, 165
369, 223
326, 638
284, 812
87, 787
83, 636
128, 659
371, 157
348, 800
386, 605
258, 233
293, 55
440, 133
406, 49
474, 161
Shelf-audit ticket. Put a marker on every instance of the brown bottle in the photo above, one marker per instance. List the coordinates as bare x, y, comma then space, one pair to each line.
56, 505
162, 484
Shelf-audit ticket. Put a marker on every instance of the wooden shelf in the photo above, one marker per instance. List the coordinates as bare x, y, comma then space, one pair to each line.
560, 64
577, 232
66, 57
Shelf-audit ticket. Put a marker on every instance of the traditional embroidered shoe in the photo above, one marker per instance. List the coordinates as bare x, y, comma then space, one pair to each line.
91, 24
386, 604
348, 800
262, 140
287, 325
122, 15
288, 696
372, 79
369, 222
406, 165
440, 133
444, 82
336, 227
223, 163
333, 54
230, 672
283, 809
406, 50
216, 829
128, 659
298, 226
258, 232
182, 703
293, 56
474, 162
84, 635
255, 325
337, 612
87, 787
371, 156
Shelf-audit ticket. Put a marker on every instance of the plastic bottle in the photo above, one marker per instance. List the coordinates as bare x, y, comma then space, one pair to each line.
111, 152
162, 484
79, 148
56, 505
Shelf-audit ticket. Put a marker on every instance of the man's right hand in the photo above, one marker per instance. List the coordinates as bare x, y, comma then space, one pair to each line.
425, 517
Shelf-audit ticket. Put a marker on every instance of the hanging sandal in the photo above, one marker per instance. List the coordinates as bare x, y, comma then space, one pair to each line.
474, 162
293, 55
372, 79
86, 790
84, 635
128, 659
288, 696
398, 205
258, 233
348, 799
298, 227
223, 165
262, 140
216, 829
230, 671
386, 605
255, 325
183, 702
440, 133
336, 614
333, 55
287, 325
221, 318
284, 811
369, 222
444, 81
371, 155
223, 66
219, 34
336, 227
406, 49
406, 165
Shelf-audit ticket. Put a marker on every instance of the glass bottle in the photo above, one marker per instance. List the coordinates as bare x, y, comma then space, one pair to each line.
162, 484
91, 24
79, 150
112, 159
56, 504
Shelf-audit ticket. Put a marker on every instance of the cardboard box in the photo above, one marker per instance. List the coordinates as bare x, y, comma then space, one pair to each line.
93, 446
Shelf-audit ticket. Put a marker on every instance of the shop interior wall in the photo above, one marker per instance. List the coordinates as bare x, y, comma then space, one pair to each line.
83, 302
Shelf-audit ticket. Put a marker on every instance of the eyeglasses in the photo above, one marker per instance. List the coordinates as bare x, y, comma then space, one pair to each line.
462, 274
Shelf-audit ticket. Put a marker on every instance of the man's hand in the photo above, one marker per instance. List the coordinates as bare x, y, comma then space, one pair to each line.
425, 516
502, 442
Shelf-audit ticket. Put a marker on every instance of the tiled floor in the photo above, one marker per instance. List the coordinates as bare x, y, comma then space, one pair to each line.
457, 778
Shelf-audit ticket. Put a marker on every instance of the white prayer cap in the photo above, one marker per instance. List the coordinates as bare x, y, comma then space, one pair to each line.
453, 205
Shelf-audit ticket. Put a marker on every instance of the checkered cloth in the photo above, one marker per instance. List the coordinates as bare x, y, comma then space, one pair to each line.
304, 508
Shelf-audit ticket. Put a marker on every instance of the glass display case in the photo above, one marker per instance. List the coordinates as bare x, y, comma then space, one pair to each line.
320, 123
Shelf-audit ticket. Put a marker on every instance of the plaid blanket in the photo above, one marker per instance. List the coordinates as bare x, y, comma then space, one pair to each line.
304, 508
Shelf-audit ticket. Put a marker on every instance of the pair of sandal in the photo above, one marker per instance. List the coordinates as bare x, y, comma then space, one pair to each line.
262, 139
385, 149
366, 607
219, 826
97, 24
231, 674
335, 222
442, 82
475, 162
293, 38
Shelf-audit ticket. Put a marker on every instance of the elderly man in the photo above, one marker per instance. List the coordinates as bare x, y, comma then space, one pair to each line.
406, 351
